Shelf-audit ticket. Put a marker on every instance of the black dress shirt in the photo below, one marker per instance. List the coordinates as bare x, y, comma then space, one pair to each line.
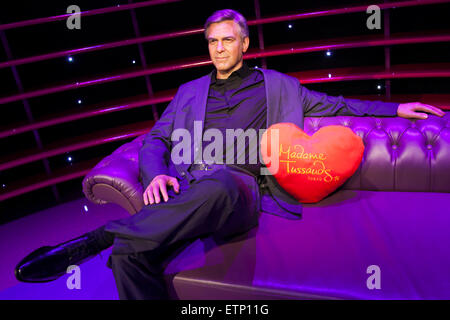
238, 102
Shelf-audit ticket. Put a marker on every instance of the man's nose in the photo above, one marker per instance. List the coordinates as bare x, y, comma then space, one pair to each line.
220, 46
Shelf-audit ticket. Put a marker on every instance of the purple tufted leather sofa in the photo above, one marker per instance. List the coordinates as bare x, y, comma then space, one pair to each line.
385, 234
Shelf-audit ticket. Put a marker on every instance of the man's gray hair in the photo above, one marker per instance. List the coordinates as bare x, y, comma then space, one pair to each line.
228, 14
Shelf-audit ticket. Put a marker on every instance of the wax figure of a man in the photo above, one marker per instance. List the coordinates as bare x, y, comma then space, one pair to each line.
187, 201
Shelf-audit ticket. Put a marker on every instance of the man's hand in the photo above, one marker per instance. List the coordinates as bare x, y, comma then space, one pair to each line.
409, 110
160, 183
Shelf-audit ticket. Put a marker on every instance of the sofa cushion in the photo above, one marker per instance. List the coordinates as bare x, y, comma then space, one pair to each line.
327, 254
320, 163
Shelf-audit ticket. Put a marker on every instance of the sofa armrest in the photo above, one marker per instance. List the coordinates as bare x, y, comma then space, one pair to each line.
116, 178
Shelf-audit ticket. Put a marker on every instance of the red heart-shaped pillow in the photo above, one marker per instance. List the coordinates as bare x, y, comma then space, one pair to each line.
311, 167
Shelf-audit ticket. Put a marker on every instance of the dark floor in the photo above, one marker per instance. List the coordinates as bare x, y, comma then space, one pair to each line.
49, 227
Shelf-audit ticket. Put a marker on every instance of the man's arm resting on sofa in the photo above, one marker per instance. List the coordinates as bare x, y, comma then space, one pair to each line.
318, 104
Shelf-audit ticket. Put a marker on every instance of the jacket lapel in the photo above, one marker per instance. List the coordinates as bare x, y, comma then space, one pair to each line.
272, 97
201, 97
277, 202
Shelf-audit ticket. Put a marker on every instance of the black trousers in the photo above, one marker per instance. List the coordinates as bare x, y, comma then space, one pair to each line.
222, 202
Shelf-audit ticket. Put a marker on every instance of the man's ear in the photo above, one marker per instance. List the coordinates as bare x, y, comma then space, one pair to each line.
245, 44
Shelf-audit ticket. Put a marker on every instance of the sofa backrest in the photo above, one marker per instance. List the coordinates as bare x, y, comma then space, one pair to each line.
400, 154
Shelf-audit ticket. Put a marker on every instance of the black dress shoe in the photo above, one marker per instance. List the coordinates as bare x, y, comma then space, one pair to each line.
49, 263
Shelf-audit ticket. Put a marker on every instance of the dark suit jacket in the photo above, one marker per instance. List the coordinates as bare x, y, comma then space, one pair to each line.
287, 101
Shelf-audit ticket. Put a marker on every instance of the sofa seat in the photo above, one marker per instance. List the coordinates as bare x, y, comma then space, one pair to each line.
325, 255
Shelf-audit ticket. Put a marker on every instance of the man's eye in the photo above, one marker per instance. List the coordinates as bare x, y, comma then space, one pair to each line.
228, 40
212, 41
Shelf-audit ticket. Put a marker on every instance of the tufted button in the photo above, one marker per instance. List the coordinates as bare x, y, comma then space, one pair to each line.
429, 147
394, 147
183, 174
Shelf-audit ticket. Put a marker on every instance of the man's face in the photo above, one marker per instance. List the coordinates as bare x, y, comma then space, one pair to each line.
226, 47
